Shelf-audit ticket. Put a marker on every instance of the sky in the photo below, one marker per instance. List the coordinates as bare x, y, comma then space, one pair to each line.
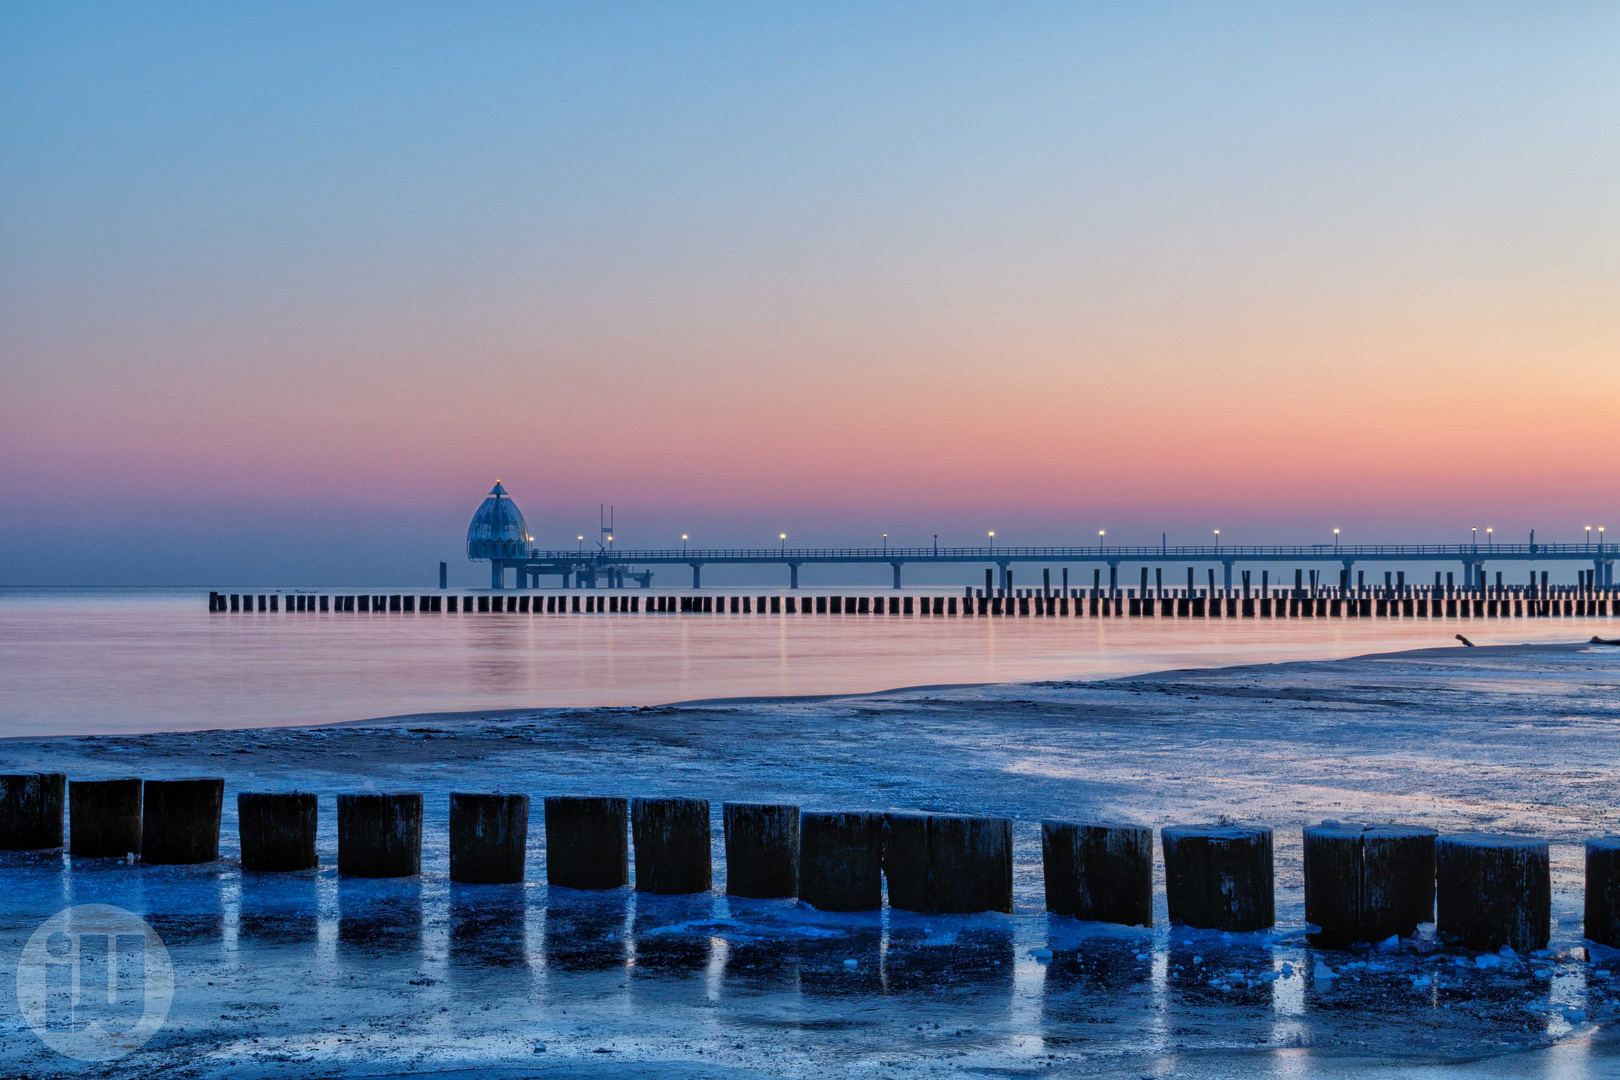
285, 288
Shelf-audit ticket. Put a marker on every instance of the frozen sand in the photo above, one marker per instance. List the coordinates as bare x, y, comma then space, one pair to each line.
306, 976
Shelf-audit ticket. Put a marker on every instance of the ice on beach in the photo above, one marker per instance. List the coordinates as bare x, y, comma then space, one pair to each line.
339, 976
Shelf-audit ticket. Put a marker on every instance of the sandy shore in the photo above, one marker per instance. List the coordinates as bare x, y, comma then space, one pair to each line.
434, 978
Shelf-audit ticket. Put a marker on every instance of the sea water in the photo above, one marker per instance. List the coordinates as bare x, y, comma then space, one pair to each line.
102, 661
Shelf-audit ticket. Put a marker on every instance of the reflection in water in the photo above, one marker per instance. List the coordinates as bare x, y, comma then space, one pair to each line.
277, 909
671, 934
379, 915
159, 661
1206, 971
585, 930
488, 925
945, 954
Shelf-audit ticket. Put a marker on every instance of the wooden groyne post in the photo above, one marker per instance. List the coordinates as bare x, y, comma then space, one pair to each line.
277, 830
380, 834
762, 850
1098, 872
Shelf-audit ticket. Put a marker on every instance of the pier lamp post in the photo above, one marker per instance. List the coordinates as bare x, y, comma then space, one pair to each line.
783, 537
1488, 539
1474, 543
1335, 539
1217, 539
992, 539
1100, 534
582, 541
885, 543
1589, 537
683, 541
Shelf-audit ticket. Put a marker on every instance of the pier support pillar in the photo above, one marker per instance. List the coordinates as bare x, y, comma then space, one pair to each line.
1006, 577
697, 575
896, 574
1226, 577
793, 575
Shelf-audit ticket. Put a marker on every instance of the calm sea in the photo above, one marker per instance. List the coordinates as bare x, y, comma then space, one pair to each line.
95, 661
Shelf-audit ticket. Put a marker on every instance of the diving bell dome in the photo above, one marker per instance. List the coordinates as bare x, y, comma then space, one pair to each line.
498, 530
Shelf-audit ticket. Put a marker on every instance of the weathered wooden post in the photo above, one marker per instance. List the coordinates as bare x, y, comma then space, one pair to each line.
1219, 877
970, 863
277, 830
762, 850
1398, 881
104, 817
672, 845
1603, 891
1493, 891
587, 841
180, 820
31, 811
380, 834
1101, 873
489, 837
906, 862
841, 860
948, 863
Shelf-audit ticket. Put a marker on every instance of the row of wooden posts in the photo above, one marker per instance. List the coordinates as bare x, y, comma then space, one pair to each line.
1465, 606
1362, 883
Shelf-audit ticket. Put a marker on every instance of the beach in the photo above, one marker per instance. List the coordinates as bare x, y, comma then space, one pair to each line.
308, 975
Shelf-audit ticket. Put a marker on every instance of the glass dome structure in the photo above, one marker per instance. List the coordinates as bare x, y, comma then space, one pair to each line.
498, 530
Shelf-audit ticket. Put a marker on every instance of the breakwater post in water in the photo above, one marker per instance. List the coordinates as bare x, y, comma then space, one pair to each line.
841, 860
380, 834
180, 820
1493, 891
31, 806
489, 837
672, 845
1603, 891
1366, 883
587, 842
762, 850
277, 830
1219, 877
1101, 873
104, 818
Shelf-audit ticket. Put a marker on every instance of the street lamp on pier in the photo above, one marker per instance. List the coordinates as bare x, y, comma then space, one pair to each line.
783, 537
683, 541
992, 539
1217, 539
1335, 539
1100, 534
